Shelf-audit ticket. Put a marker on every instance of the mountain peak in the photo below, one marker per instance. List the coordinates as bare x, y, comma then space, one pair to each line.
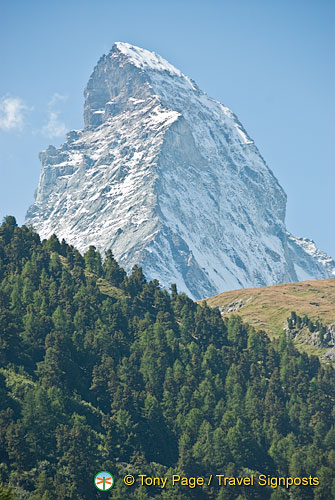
144, 59
129, 73
169, 180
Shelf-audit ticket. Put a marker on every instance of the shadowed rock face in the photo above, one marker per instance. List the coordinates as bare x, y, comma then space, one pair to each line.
168, 179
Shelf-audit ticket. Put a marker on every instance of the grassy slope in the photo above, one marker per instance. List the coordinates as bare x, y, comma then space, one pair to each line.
108, 289
269, 306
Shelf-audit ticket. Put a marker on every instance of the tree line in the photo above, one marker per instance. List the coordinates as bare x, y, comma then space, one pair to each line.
101, 370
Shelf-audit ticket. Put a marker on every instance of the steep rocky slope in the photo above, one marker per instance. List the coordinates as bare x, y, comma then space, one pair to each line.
168, 179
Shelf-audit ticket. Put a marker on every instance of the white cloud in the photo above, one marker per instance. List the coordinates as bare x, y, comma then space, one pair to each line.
55, 127
12, 113
56, 98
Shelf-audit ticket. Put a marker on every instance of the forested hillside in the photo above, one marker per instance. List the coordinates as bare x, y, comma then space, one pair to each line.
104, 371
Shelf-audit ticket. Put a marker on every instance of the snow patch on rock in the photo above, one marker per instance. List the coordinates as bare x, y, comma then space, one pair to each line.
169, 179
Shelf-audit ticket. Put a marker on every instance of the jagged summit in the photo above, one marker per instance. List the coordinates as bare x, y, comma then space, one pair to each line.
145, 59
110, 89
168, 179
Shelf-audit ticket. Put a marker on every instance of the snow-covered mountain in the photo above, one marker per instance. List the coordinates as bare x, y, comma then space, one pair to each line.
169, 179
307, 269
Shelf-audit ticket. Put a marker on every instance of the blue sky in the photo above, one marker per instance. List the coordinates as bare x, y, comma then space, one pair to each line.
270, 62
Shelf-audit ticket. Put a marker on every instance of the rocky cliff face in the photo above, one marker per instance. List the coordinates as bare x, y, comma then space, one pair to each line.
168, 179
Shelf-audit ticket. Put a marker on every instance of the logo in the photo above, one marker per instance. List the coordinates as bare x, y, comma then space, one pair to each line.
104, 481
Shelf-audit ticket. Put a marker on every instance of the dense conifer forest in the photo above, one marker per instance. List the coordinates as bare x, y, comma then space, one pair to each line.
100, 370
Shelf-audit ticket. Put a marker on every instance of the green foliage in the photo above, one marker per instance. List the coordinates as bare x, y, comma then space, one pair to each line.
93, 261
112, 271
295, 324
6, 494
139, 381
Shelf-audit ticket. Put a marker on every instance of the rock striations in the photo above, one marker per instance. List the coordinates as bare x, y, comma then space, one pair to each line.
169, 179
